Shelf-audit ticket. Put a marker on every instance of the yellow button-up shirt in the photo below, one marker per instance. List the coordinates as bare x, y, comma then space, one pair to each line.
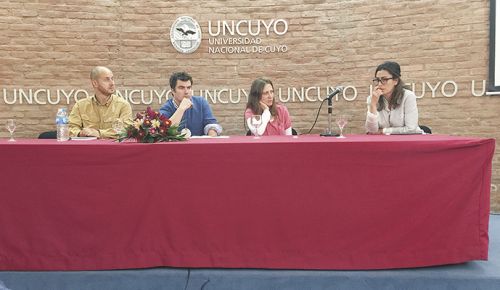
89, 113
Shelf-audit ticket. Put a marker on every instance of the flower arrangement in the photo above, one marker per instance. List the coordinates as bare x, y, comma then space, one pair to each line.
151, 127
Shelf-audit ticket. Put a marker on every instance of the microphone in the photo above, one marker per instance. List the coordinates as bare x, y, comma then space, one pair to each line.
336, 90
329, 132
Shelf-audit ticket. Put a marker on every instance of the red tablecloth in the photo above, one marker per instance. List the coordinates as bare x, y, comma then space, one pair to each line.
364, 202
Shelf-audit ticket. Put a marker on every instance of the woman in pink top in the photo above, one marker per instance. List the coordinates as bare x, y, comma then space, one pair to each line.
275, 117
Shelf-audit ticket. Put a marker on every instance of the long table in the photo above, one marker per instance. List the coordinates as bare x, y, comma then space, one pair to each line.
306, 202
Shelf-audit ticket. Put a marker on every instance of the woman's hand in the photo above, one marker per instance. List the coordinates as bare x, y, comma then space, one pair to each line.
263, 106
379, 132
376, 94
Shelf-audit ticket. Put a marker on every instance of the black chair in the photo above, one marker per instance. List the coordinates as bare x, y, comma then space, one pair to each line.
294, 132
427, 130
48, 135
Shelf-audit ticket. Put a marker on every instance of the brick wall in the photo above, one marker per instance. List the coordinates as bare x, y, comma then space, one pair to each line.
52, 46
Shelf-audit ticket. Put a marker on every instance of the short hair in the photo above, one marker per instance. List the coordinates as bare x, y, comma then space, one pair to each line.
183, 76
96, 71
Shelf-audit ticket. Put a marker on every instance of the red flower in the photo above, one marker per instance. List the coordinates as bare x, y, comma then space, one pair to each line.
143, 131
151, 114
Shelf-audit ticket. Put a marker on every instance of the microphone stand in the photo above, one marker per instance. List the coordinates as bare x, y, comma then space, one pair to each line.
329, 132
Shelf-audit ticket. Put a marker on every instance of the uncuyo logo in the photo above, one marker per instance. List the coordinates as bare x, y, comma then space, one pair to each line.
185, 34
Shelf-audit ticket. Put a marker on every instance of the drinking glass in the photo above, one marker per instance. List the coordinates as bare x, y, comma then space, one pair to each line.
117, 125
11, 126
256, 121
341, 122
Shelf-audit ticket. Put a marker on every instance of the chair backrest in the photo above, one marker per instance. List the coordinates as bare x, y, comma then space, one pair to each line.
48, 135
427, 130
294, 132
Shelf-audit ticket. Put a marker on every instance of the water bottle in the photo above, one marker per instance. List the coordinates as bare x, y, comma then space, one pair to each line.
62, 125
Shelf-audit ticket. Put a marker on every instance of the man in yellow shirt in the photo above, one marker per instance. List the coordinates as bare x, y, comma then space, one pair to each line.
94, 116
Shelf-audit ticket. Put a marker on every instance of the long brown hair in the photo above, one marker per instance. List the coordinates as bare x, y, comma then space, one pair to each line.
256, 95
399, 90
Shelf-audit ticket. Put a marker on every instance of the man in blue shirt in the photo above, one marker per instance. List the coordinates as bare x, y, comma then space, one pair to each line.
188, 111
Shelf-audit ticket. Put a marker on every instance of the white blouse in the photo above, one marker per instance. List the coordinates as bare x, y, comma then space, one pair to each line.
401, 120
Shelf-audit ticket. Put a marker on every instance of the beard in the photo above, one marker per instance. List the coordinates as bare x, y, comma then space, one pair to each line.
106, 91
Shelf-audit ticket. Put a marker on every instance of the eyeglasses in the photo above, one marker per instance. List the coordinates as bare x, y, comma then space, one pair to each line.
376, 81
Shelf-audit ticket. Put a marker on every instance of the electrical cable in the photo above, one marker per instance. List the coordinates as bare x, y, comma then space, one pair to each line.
317, 115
